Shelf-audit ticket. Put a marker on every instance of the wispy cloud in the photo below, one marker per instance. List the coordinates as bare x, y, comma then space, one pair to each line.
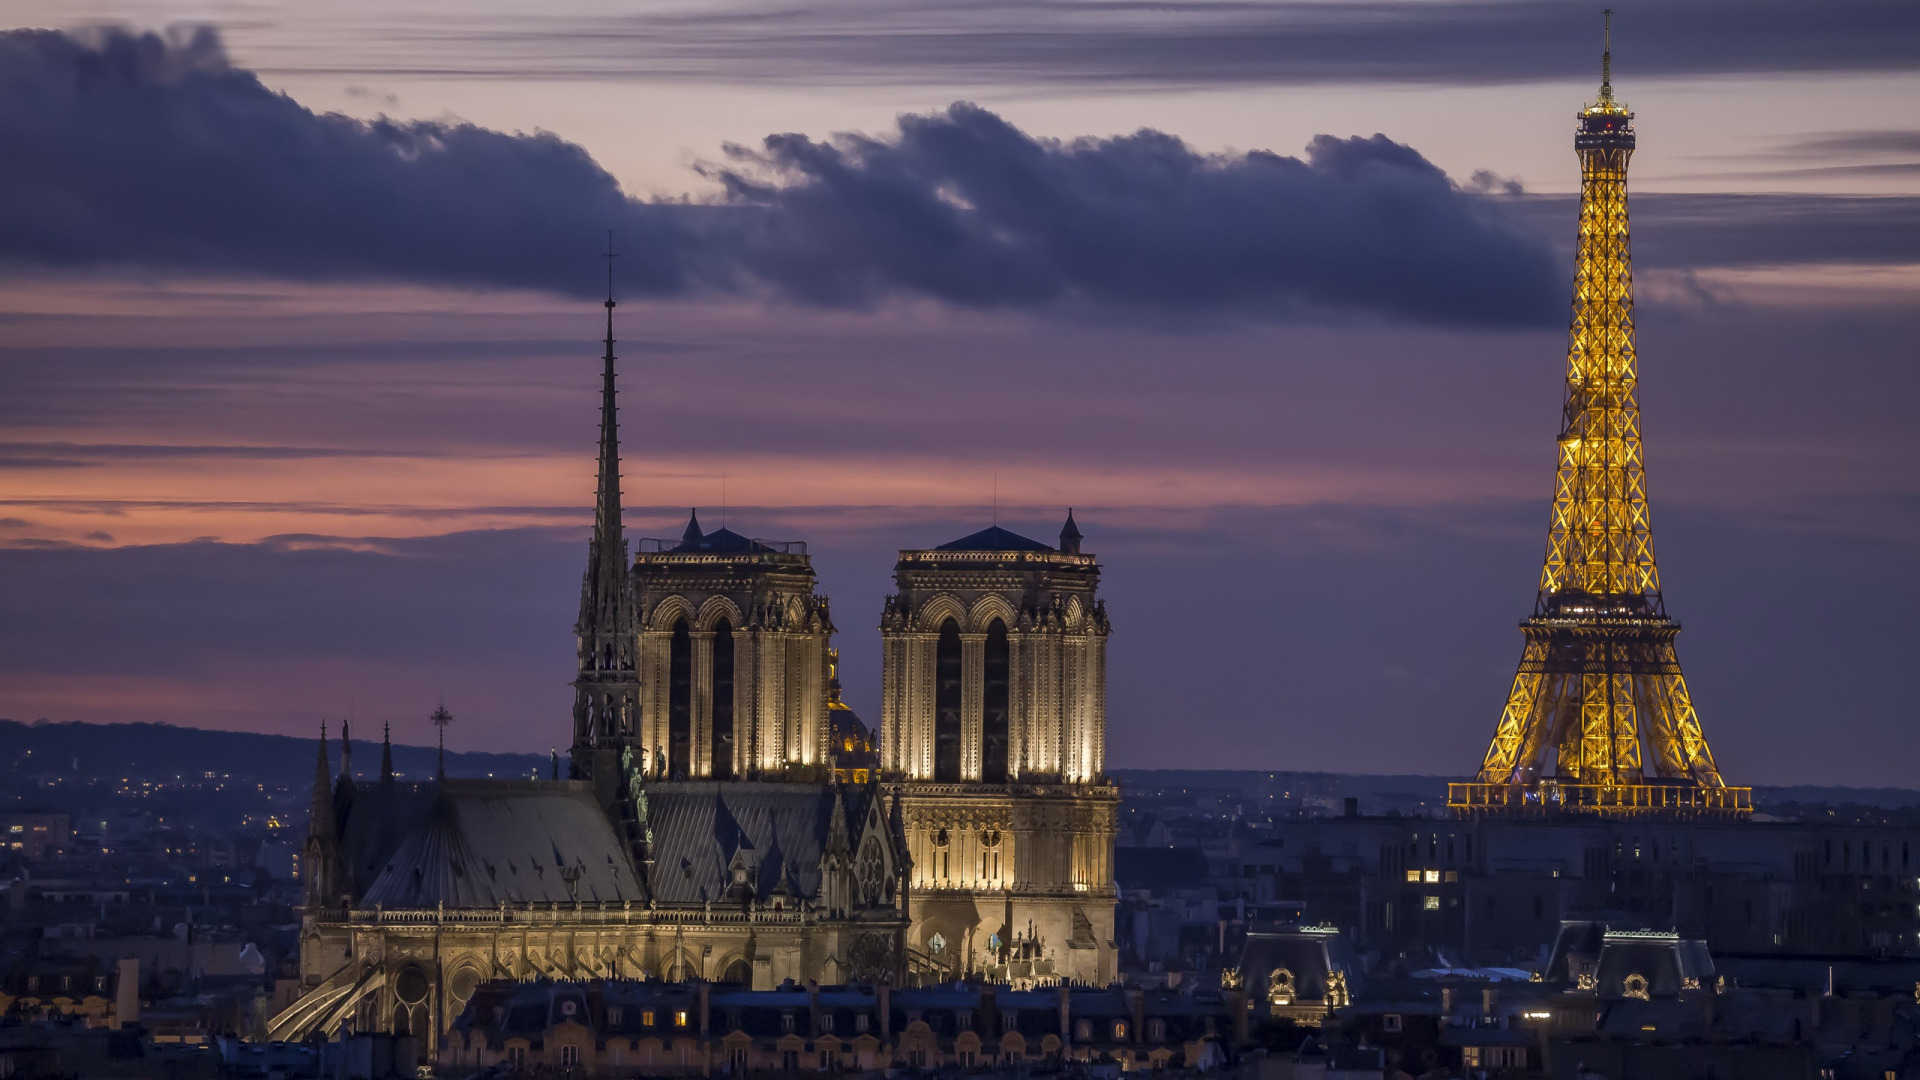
1116, 43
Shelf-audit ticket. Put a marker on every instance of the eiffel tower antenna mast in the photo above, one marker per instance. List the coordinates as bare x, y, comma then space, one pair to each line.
1599, 720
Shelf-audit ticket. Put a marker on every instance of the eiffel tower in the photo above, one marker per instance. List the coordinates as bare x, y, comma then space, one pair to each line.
1599, 720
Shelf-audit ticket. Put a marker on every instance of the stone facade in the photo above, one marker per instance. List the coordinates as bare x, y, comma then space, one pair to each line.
733, 657
993, 732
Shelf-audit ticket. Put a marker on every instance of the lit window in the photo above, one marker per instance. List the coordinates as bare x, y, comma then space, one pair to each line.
1433, 877
1119, 1030
1431, 903
680, 1018
1413, 875
646, 1018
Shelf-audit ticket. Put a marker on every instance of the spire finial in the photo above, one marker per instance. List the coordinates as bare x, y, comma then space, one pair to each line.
1606, 57
440, 719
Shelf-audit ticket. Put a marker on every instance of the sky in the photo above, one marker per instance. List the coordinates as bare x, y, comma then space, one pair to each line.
299, 321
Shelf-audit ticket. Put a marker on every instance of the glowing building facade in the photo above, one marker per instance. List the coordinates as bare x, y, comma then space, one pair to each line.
993, 732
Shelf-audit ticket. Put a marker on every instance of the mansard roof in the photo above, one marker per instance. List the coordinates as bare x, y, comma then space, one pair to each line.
480, 843
994, 538
778, 830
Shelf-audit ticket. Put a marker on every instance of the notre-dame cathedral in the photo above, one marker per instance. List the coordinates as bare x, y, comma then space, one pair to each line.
725, 816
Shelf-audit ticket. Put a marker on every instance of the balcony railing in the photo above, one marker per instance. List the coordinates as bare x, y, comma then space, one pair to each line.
1550, 798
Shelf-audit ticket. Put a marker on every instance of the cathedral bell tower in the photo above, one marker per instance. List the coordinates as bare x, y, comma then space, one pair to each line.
607, 686
993, 733
733, 654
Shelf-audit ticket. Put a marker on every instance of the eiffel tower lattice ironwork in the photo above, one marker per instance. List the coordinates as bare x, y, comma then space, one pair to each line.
1599, 719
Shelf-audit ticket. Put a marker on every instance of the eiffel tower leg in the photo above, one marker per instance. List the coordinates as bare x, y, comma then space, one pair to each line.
1516, 740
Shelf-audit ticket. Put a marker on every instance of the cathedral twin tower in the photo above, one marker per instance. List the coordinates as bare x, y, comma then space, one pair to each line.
707, 661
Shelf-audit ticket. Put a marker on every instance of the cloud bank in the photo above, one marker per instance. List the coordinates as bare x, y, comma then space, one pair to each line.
142, 152
1127, 43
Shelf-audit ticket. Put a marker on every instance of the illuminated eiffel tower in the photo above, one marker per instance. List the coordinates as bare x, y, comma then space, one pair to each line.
1599, 720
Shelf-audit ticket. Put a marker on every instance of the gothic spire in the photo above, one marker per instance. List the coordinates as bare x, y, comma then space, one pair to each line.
386, 753
346, 754
606, 688
1070, 535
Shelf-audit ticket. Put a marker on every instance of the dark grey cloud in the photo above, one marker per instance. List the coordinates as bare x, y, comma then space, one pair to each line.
1151, 42
1694, 231
139, 152
59, 455
1856, 144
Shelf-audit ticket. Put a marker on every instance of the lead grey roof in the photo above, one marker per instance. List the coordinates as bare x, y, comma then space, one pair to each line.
994, 538
779, 830
485, 842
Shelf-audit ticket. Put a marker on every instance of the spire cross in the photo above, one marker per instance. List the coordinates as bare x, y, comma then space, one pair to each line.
440, 719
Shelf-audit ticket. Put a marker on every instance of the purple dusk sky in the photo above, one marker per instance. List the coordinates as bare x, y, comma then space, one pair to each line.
298, 347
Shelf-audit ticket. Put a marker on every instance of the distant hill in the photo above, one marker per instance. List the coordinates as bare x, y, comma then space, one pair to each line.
1250, 781
44, 748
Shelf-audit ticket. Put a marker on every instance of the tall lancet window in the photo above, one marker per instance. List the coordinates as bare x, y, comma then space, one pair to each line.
679, 700
997, 704
723, 701
946, 704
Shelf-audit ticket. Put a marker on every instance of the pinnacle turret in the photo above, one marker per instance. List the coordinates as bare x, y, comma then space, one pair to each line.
322, 786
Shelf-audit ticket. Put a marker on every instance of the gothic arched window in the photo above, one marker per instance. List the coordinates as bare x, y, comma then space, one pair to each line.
723, 700
946, 704
997, 704
679, 700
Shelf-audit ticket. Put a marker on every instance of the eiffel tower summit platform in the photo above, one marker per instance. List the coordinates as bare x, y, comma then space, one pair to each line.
1599, 720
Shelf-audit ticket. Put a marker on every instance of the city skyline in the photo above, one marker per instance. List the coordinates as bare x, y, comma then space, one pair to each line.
274, 490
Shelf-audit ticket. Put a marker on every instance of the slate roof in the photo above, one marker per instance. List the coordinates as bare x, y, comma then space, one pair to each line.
720, 541
779, 829
373, 820
479, 843
994, 538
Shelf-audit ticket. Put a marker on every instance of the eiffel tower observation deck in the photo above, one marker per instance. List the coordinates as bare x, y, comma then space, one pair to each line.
1599, 720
